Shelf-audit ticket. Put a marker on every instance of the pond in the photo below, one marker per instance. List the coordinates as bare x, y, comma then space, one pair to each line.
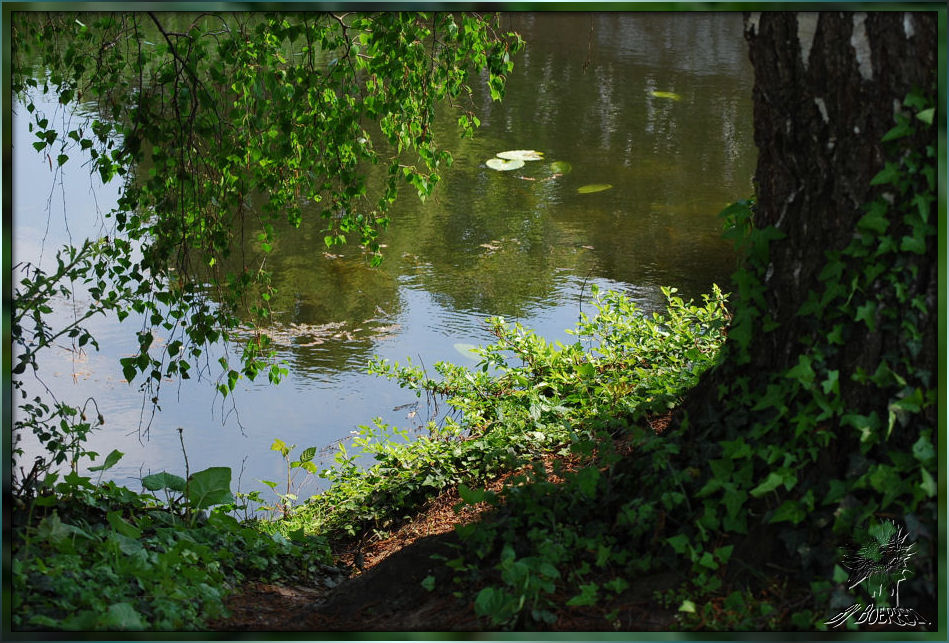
656, 106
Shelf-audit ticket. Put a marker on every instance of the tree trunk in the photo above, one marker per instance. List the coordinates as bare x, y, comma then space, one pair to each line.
826, 89
802, 358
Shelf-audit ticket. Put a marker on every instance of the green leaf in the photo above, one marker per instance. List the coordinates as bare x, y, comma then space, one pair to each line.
561, 167
122, 616
428, 583
210, 487
587, 479
926, 115
593, 187
122, 526
889, 173
666, 95
471, 496
790, 511
875, 219
128, 368
923, 449
281, 446
928, 485
679, 543
687, 606
587, 596
164, 480
803, 372
110, 461
308, 454
772, 482
867, 314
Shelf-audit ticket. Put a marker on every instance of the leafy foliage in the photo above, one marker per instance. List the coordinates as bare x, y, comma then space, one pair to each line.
103, 557
525, 400
785, 431
218, 126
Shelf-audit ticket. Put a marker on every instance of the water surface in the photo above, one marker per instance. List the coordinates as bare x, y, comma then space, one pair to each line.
523, 244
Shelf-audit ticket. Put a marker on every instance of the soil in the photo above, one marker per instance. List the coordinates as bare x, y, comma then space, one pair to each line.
385, 590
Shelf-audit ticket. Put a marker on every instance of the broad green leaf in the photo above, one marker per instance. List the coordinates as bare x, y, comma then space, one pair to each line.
587, 596
926, 115
122, 616
679, 542
560, 167
122, 526
593, 187
668, 95
791, 511
521, 155
772, 482
164, 480
502, 165
308, 454
687, 606
110, 461
210, 487
471, 496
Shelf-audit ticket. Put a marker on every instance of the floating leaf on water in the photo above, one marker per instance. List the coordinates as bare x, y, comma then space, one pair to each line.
468, 350
560, 167
593, 187
502, 165
669, 95
521, 155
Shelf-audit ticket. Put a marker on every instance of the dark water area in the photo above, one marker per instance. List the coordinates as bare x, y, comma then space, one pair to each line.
657, 106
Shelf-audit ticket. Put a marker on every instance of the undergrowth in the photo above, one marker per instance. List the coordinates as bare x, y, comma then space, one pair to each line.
93, 557
525, 399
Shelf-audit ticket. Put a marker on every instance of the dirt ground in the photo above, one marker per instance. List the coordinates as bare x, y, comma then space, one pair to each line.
385, 591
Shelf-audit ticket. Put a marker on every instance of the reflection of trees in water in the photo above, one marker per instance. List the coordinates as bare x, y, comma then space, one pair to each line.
490, 243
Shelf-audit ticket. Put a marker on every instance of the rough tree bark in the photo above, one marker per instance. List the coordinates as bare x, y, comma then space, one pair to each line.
826, 88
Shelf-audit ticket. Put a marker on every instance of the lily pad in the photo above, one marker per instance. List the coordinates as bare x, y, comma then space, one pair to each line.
521, 155
467, 350
560, 167
669, 95
593, 187
503, 165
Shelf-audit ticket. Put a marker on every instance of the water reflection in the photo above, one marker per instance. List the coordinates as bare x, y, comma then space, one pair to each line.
522, 244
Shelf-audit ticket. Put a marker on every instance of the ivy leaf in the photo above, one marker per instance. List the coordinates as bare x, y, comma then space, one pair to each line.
923, 449
803, 372
867, 313
471, 496
679, 542
926, 115
928, 484
889, 173
790, 511
772, 482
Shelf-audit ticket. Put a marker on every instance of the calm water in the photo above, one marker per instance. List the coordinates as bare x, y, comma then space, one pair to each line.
519, 244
